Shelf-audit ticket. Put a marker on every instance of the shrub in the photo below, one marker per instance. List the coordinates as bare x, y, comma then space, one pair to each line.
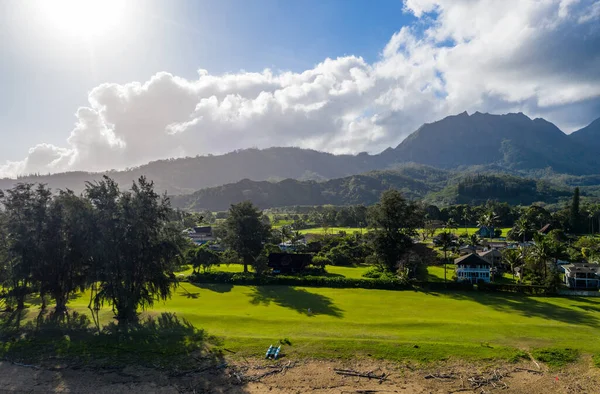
373, 273
312, 281
320, 261
556, 357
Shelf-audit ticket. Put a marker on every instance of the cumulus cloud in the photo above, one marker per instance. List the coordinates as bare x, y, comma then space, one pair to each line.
538, 57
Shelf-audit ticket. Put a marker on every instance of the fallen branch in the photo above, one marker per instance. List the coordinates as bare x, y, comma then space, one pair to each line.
439, 376
368, 375
535, 362
528, 370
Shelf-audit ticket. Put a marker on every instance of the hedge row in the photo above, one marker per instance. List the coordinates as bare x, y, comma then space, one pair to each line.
349, 283
308, 281
323, 281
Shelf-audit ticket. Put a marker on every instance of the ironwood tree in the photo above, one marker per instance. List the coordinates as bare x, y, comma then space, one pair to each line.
394, 222
136, 248
246, 232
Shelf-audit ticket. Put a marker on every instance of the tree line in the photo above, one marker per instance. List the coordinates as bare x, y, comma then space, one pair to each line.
118, 245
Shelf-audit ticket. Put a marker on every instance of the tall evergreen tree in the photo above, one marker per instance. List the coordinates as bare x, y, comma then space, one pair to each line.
574, 213
136, 249
246, 232
394, 221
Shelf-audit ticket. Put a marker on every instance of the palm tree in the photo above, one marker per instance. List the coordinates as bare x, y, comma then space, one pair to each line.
286, 233
451, 224
488, 220
446, 242
541, 252
513, 258
523, 227
474, 240
466, 217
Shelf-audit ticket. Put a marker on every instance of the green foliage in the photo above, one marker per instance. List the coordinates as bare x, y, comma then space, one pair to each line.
394, 221
135, 247
596, 360
202, 257
246, 233
556, 357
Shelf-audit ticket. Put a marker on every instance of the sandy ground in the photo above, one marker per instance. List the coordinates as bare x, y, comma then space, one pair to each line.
288, 376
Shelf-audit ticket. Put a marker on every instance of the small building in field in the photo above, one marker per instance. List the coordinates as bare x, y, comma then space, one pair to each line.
485, 232
201, 235
472, 268
289, 263
582, 275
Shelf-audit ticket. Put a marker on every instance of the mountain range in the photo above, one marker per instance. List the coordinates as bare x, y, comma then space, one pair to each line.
478, 143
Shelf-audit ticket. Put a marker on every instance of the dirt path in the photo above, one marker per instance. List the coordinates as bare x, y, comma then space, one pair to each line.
287, 376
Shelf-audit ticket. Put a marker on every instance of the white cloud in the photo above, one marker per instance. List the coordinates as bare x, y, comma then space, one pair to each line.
498, 56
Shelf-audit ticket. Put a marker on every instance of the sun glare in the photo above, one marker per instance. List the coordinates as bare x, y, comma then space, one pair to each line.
91, 18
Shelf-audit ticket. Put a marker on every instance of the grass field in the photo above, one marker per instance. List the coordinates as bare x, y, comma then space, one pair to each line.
384, 324
350, 230
332, 230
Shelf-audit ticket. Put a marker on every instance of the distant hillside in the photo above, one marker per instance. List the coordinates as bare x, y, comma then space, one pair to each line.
416, 182
589, 137
477, 189
186, 175
510, 143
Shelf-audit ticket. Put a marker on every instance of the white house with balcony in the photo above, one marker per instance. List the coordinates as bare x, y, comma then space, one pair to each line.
582, 275
472, 268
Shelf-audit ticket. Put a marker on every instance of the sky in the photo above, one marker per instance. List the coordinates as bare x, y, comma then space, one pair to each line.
96, 85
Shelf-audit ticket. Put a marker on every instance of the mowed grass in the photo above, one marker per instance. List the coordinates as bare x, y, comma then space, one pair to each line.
351, 230
333, 230
344, 323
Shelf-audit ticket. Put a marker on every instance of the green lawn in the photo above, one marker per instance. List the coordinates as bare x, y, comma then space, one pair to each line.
435, 273
384, 324
332, 230
332, 270
350, 230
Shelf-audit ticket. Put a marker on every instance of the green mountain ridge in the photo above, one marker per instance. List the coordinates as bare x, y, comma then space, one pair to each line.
441, 187
511, 143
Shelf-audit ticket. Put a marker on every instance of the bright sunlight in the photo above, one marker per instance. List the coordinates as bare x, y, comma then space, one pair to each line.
92, 18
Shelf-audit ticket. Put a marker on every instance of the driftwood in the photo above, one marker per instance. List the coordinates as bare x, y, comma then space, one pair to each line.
529, 370
369, 375
439, 376
494, 380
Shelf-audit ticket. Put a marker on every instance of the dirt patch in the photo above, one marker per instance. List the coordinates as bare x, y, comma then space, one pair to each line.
289, 376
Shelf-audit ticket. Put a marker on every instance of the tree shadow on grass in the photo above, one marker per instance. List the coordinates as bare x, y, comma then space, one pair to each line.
166, 348
527, 306
216, 287
299, 300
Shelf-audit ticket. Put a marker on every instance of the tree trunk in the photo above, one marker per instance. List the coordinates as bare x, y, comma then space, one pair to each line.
445, 262
245, 265
61, 303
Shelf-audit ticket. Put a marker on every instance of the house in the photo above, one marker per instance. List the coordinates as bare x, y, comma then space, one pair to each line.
485, 232
492, 256
582, 275
495, 245
472, 268
285, 263
201, 235
468, 249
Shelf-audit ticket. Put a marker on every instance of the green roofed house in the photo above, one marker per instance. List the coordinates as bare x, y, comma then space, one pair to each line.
472, 268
